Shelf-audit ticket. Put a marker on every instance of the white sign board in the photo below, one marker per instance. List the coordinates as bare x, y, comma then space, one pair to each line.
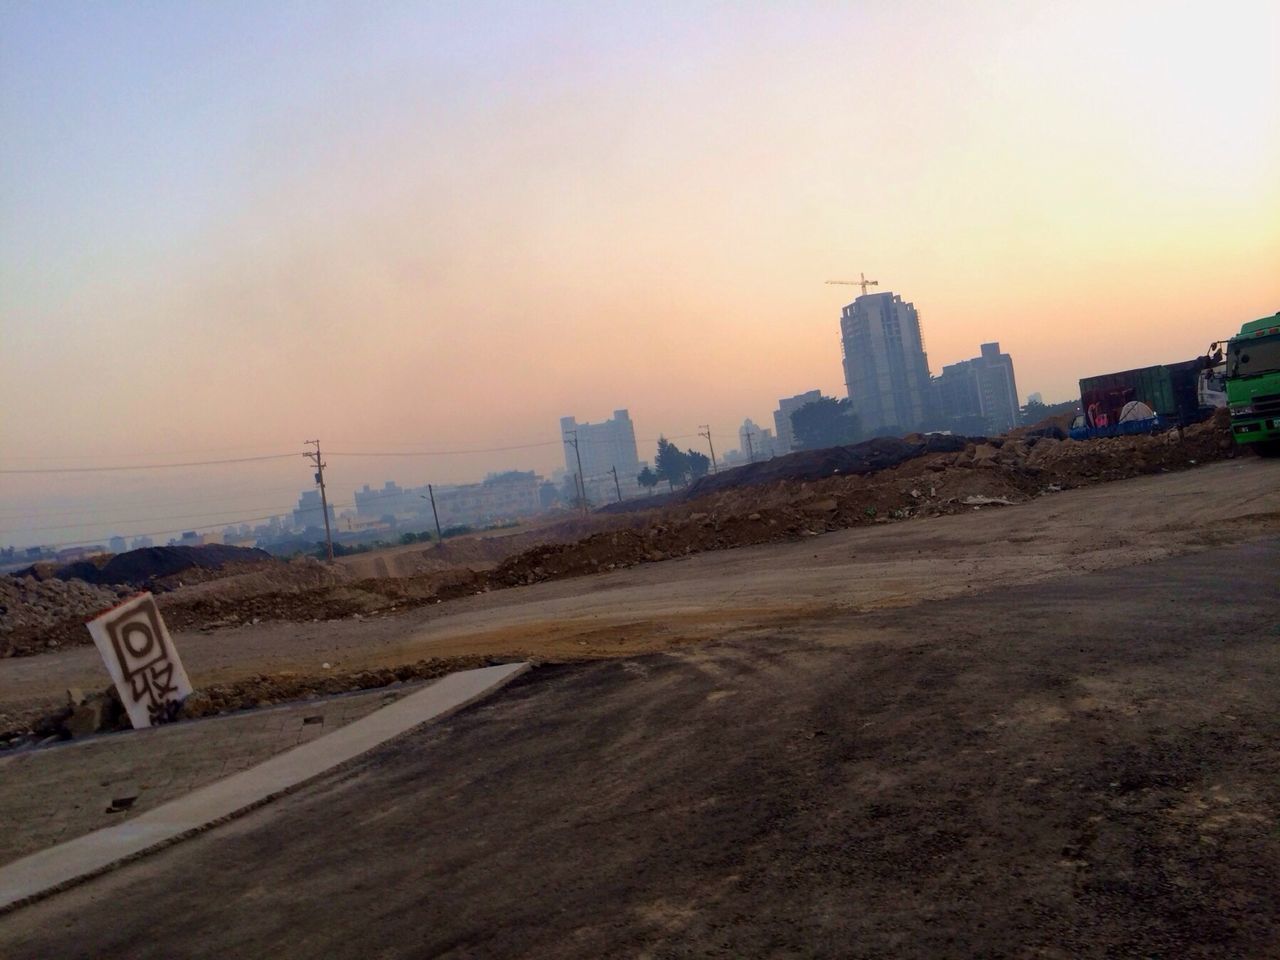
142, 660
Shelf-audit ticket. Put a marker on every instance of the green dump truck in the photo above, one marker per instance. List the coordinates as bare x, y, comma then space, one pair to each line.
1253, 385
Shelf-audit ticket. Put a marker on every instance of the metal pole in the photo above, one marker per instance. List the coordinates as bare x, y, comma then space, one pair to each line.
439, 536
617, 486
582, 480
707, 428
324, 500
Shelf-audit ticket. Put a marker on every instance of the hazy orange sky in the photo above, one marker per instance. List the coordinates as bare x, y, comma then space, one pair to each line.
230, 227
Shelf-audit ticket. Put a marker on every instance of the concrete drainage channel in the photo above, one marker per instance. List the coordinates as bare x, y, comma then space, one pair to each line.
66, 864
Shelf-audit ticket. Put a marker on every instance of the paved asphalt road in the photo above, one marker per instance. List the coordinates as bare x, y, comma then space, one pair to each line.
1087, 767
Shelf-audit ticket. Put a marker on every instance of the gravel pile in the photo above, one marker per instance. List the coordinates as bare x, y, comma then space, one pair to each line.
26, 602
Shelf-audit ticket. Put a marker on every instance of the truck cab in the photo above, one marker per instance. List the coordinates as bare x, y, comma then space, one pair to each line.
1253, 385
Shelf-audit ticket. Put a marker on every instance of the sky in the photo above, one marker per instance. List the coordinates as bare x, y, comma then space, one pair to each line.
229, 227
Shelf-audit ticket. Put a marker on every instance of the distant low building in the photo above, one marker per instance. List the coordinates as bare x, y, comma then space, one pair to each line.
117, 544
310, 512
71, 554
978, 395
141, 543
757, 443
501, 497
392, 498
782, 417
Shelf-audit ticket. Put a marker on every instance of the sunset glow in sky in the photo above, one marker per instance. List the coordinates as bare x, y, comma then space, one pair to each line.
229, 227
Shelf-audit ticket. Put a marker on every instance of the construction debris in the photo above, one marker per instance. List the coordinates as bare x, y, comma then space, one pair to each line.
800, 495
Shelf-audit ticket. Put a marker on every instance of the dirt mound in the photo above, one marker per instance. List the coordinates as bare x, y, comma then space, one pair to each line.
150, 568
39, 615
845, 487
870, 456
853, 486
477, 552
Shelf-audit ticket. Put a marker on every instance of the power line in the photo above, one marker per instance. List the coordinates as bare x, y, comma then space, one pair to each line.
284, 456
153, 466
93, 511
97, 523
126, 456
439, 453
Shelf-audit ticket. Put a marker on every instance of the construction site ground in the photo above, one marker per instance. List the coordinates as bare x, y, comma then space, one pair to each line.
714, 595
1036, 739
109, 779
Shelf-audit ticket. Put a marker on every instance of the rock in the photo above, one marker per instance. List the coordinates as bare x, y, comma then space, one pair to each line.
75, 696
828, 505
85, 718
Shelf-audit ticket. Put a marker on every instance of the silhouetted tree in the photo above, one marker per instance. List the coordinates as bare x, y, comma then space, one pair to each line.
647, 478
699, 464
1035, 411
825, 423
548, 495
672, 463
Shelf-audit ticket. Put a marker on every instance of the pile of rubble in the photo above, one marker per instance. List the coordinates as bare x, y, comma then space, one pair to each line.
37, 615
802, 495
979, 474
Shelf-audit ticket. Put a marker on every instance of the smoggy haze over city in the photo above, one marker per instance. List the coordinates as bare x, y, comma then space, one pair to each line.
230, 227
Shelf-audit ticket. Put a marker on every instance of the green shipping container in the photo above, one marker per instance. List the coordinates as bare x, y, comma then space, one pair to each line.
1169, 389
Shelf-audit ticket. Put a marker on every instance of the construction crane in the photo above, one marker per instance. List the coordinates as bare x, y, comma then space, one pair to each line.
863, 283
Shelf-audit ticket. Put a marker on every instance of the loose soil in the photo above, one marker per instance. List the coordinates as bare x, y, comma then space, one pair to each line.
715, 594
783, 499
1080, 768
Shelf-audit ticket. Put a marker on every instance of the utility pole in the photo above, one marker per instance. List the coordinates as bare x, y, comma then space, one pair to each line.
751, 453
316, 459
431, 494
705, 431
571, 436
617, 486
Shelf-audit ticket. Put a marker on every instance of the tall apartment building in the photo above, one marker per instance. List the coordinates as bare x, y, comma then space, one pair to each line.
785, 436
602, 446
756, 442
979, 393
885, 367
309, 512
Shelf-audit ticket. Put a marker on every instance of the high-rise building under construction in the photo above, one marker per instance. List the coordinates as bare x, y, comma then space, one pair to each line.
885, 367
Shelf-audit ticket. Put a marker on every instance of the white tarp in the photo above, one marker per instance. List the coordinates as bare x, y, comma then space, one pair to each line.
1135, 410
141, 659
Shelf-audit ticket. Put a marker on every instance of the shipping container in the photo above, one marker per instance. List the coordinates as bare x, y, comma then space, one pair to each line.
1169, 389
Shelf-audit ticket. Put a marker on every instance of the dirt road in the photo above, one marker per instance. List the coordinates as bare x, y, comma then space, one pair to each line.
1078, 768
664, 605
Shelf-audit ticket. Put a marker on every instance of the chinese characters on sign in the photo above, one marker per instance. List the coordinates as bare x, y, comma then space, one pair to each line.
142, 660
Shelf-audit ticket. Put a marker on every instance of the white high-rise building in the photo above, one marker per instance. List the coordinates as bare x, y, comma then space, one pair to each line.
885, 366
602, 446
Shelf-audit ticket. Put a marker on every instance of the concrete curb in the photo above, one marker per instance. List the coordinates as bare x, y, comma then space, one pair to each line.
75, 861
